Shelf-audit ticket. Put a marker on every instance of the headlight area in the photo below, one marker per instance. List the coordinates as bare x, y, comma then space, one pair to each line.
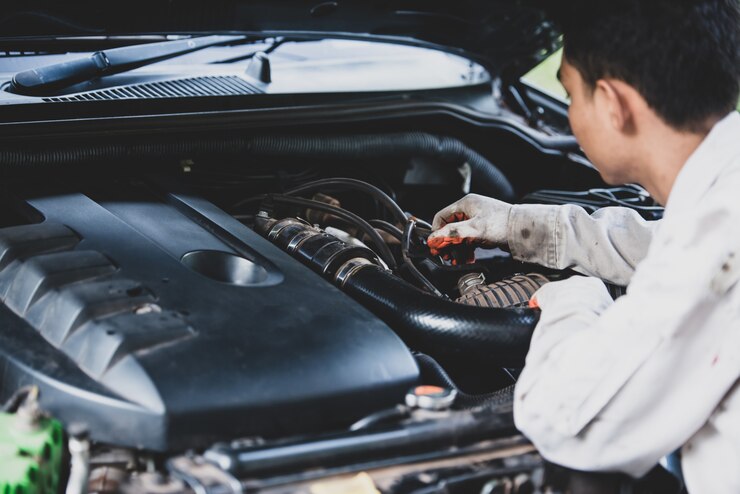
262, 314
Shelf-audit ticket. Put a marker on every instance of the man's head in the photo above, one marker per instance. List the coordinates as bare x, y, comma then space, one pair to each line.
633, 67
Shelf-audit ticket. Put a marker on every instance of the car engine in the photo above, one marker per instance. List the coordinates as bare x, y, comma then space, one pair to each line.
266, 317
153, 303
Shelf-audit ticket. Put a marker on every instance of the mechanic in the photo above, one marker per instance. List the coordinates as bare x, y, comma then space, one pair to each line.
617, 385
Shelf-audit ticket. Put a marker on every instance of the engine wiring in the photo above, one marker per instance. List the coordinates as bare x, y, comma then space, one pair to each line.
406, 229
388, 228
353, 184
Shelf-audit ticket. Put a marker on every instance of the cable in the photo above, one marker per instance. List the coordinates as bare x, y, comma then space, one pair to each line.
351, 183
388, 228
405, 246
421, 223
383, 251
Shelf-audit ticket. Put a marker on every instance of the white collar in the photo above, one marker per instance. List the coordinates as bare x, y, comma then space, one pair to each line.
705, 164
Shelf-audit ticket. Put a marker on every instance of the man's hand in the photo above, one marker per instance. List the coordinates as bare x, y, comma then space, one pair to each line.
576, 293
472, 221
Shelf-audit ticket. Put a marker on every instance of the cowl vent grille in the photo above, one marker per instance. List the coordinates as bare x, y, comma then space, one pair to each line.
195, 86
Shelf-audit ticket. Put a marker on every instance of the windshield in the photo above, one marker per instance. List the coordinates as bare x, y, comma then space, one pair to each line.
293, 66
545, 79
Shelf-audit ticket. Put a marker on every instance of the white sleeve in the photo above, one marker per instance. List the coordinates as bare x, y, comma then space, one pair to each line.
615, 386
607, 244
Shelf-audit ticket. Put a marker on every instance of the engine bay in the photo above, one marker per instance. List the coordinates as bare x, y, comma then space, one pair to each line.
279, 326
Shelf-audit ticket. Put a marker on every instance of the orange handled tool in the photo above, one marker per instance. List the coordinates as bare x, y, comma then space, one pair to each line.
458, 250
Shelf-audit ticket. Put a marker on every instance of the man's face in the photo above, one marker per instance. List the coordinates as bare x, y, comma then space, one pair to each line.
604, 144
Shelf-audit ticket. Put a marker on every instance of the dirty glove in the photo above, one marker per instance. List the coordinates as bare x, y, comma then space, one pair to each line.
572, 296
472, 221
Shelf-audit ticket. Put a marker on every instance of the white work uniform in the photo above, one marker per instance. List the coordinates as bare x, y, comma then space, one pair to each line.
615, 386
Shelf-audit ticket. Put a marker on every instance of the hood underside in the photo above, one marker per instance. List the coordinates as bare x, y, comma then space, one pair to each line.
502, 35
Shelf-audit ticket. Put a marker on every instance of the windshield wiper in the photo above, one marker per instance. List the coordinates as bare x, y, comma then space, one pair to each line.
40, 81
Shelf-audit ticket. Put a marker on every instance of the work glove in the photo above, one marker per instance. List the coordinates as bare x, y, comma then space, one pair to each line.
473, 221
575, 294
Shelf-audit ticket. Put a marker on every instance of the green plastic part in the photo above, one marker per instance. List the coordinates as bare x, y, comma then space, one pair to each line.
30, 455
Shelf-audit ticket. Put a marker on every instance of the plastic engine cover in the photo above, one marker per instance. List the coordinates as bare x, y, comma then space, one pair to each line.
166, 324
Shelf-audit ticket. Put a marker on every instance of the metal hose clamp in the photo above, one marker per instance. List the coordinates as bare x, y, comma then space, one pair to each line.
349, 268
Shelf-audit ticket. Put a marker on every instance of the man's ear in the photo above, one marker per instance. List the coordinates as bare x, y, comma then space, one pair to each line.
617, 100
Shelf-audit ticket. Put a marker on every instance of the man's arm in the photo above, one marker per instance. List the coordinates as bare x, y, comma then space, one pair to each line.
614, 386
607, 244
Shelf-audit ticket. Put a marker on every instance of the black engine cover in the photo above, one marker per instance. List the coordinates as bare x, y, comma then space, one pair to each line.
165, 324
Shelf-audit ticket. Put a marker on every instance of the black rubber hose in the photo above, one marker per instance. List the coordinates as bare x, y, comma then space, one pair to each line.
388, 228
486, 178
433, 373
443, 328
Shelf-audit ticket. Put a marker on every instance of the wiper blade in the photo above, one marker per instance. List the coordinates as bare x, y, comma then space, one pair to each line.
42, 80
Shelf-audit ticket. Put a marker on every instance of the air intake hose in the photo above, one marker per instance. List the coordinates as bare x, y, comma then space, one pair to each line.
436, 326
443, 328
486, 178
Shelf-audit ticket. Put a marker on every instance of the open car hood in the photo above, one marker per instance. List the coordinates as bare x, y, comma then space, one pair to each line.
502, 35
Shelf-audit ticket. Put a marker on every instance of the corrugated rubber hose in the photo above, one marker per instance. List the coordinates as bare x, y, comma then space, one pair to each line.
486, 177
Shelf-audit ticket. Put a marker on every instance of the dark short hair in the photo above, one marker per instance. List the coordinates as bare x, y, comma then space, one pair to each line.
682, 56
